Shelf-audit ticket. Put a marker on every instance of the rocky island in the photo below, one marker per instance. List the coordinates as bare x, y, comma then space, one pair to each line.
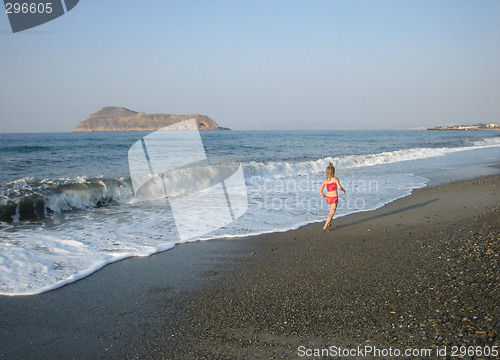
468, 127
113, 118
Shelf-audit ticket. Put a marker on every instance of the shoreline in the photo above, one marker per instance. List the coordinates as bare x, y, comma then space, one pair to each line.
242, 298
446, 176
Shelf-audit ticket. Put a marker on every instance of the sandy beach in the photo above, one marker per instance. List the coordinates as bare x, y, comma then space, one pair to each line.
421, 273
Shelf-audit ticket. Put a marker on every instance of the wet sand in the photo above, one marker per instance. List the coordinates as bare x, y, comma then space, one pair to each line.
421, 272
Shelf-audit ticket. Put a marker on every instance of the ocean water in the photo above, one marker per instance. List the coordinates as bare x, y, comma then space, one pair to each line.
67, 204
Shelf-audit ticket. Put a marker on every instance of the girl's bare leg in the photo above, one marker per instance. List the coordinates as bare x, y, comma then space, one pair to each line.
333, 208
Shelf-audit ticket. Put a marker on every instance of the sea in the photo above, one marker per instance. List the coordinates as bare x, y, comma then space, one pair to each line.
68, 206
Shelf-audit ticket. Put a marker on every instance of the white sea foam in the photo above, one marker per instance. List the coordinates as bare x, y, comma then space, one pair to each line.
36, 258
278, 169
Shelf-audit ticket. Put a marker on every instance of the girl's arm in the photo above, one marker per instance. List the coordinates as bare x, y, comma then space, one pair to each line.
340, 186
321, 189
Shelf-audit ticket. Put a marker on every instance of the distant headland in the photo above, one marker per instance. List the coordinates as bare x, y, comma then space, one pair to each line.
113, 118
468, 127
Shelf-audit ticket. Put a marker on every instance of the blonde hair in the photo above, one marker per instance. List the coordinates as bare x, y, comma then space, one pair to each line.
330, 171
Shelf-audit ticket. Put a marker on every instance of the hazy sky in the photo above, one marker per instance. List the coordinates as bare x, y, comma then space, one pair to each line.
258, 64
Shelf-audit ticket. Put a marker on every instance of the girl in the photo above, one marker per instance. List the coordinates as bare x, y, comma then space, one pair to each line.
332, 184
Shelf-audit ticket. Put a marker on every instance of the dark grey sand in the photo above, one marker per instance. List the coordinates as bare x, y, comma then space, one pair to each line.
421, 272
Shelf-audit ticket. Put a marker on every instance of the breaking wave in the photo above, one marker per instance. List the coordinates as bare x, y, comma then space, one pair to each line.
30, 198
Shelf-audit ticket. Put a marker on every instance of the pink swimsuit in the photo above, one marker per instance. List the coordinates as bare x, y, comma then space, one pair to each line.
331, 199
331, 186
